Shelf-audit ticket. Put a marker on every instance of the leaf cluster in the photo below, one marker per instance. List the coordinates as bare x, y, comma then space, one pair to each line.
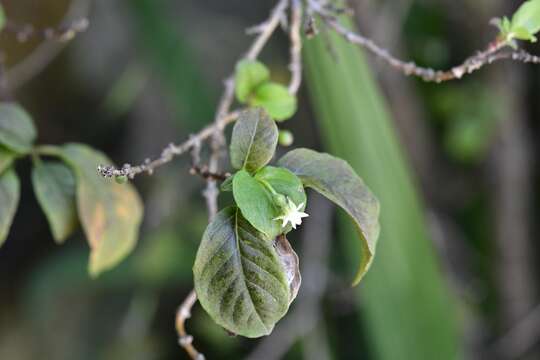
241, 278
68, 190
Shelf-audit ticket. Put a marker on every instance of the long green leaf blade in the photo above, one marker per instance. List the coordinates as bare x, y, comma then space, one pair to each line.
407, 306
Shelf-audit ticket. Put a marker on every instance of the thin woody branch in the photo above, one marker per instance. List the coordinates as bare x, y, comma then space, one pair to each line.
494, 52
61, 33
185, 340
296, 46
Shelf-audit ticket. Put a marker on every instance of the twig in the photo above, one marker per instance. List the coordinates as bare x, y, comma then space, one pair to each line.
43, 54
222, 119
470, 65
185, 340
168, 153
296, 46
61, 33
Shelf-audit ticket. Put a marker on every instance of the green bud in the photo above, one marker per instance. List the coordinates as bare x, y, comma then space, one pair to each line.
121, 179
279, 200
285, 138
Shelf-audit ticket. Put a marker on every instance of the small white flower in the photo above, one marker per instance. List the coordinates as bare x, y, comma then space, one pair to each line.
292, 214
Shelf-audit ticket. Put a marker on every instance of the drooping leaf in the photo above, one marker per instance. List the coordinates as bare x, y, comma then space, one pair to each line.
17, 131
276, 100
9, 199
254, 140
239, 278
110, 213
336, 180
249, 75
254, 197
526, 21
54, 185
6, 158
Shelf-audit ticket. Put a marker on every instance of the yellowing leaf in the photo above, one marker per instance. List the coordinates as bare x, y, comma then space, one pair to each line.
110, 213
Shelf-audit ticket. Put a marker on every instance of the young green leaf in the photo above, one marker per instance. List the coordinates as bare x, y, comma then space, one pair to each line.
249, 75
284, 182
9, 199
17, 131
276, 100
110, 213
254, 140
526, 21
239, 277
256, 201
6, 158
54, 185
256, 204
337, 181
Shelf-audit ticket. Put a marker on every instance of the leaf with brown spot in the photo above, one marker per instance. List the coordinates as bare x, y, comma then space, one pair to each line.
110, 213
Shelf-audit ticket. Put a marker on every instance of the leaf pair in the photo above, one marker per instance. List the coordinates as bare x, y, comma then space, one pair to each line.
253, 86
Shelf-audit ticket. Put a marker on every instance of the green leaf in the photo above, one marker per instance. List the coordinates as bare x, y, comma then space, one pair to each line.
17, 131
335, 179
239, 277
110, 213
254, 140
9, 199
54, 185
521, 33
255, 199
276, 100
526, 20
249, 75
256, 204
6, 158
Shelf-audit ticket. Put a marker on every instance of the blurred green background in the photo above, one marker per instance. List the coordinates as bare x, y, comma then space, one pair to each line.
454, 165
